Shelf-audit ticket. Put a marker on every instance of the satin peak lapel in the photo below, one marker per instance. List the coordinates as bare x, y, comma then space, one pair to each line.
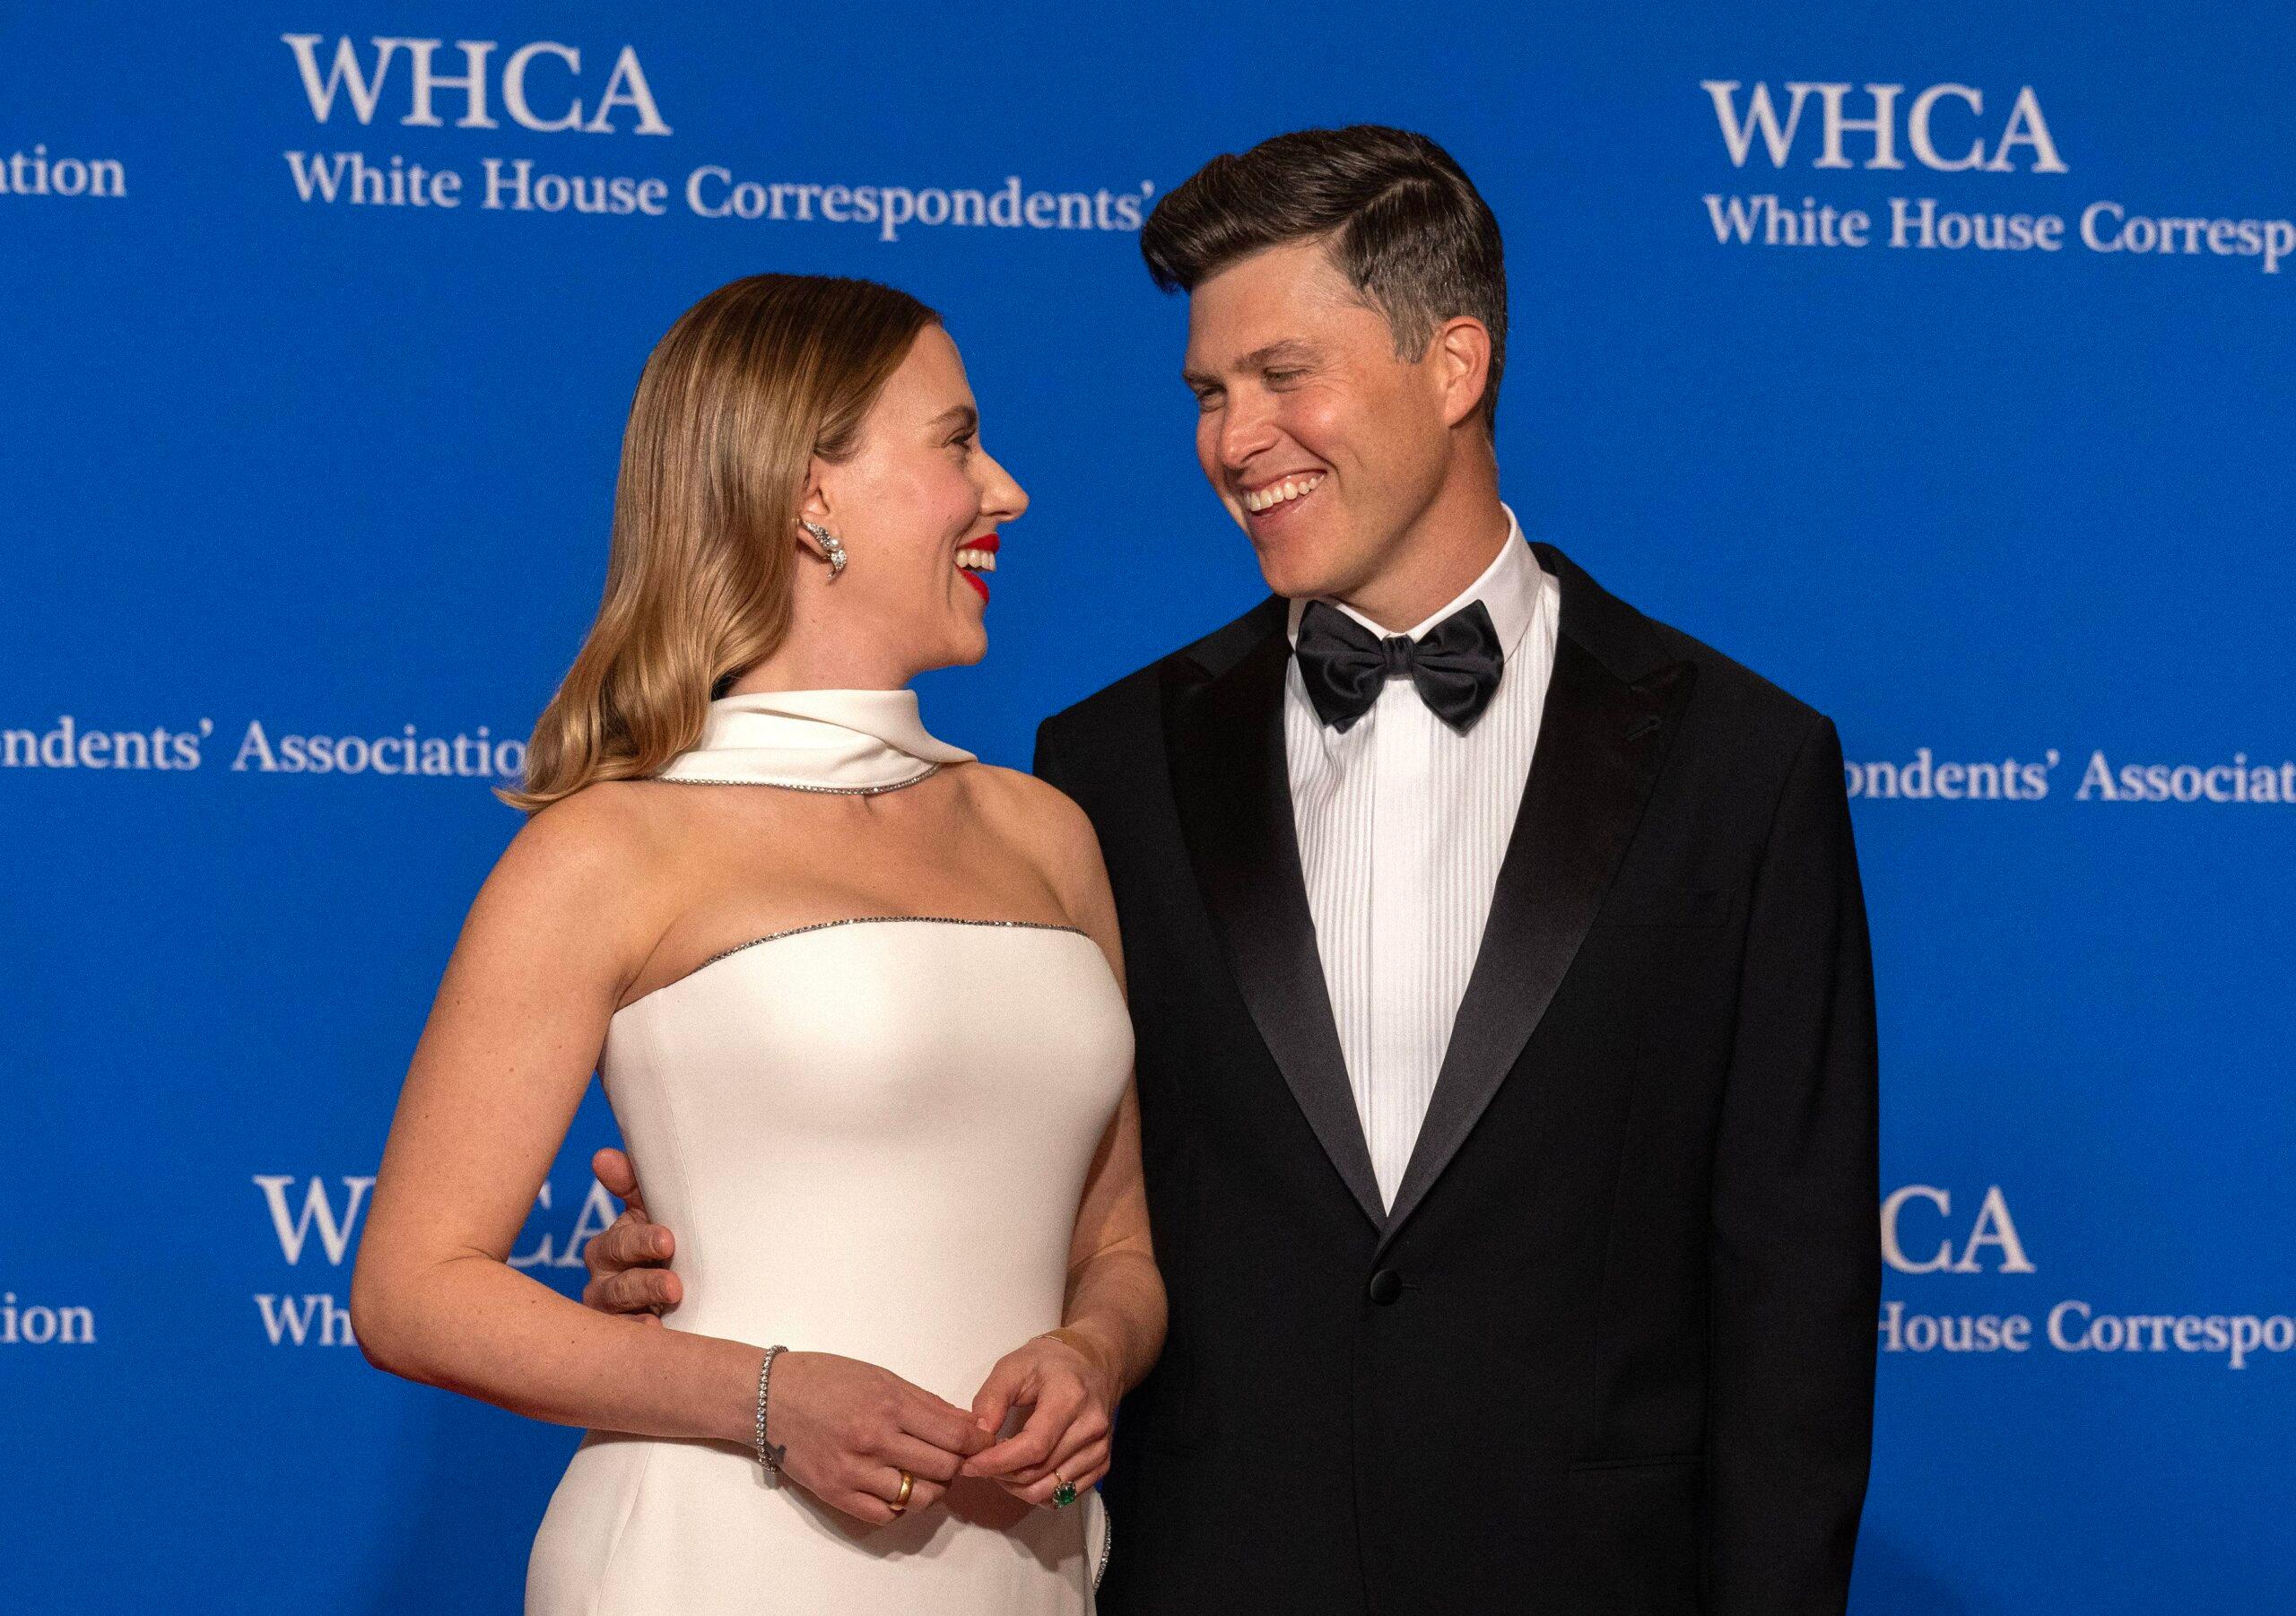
1224, 742
1601, 740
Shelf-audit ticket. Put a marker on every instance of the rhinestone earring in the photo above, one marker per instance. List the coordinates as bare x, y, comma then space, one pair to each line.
831, 546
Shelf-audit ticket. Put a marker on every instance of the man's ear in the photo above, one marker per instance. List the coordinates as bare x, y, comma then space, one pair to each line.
1462, 349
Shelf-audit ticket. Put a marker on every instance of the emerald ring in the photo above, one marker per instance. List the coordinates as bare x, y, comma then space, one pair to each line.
1063, 1495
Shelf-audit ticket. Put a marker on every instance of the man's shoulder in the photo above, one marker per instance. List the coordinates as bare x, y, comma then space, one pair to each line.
1733, 691
1729, 696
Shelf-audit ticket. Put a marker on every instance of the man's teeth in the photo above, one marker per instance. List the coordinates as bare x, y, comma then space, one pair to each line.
984, 561
1276, 494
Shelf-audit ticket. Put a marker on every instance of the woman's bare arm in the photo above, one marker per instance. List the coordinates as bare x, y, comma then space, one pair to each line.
554, 937
1116, 1298
557, 934
1113, 1319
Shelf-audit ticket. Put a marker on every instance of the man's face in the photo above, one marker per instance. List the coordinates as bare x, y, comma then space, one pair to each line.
1301, 388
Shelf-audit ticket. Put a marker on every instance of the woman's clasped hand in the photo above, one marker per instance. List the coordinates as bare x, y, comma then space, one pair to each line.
849, 1429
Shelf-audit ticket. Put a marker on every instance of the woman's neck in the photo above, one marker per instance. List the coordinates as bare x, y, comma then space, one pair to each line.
813, 661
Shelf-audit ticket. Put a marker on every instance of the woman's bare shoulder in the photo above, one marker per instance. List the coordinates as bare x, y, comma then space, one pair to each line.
1033, 810
603, 844
1050, 829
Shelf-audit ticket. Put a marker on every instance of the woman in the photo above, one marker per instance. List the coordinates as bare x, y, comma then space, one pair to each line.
856, 999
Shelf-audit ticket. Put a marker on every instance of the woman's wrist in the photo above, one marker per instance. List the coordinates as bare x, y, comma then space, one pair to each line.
735, 1370
770, 1453
1088, 1343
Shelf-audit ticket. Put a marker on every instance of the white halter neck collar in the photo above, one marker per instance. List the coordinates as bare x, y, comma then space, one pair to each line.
851, 742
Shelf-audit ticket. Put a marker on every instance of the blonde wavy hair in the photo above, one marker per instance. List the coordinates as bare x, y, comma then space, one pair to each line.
747, 386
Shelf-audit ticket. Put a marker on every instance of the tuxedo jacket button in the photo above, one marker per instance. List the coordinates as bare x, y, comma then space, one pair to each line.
1386, 1287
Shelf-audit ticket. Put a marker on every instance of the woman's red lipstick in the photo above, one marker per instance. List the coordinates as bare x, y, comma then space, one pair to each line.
986, 542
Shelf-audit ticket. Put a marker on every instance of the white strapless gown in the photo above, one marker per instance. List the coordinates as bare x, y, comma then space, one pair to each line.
871, 1138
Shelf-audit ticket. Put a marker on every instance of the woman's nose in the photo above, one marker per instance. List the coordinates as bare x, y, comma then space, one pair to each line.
1002, 496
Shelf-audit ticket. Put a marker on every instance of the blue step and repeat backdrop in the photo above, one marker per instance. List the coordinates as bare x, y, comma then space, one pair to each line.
1936, 362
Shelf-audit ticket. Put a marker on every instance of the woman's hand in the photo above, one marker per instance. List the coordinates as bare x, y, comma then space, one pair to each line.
850, 1429
1071, 1394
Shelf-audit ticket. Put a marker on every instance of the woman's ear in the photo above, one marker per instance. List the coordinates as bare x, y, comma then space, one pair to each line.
814, 507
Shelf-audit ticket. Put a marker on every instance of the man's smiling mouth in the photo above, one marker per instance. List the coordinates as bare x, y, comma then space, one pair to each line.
1280, 492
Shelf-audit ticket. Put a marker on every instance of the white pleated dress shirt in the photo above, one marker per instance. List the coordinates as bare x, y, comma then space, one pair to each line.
1401, 824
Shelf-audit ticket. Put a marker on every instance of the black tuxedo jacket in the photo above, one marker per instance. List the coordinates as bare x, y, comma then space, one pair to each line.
1613, 1349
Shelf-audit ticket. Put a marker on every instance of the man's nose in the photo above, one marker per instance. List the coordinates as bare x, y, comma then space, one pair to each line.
1247, 428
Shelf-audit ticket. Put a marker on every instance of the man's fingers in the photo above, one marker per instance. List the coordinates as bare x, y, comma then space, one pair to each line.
593, 1252
628, 1242
613, 1168
639, 1242
634, 1290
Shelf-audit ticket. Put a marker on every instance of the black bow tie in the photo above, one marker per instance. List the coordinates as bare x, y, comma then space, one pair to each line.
1455, 665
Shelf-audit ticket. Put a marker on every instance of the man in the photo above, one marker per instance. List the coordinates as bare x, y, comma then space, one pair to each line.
1503, 988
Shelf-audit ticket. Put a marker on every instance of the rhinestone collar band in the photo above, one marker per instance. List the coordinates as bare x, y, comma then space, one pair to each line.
852, 742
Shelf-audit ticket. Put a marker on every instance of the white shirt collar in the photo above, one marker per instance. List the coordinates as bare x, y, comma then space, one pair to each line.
1509, 590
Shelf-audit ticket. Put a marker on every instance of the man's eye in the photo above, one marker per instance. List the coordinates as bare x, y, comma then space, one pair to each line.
1278, 378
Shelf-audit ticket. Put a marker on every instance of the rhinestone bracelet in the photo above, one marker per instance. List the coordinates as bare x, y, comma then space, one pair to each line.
768, 1453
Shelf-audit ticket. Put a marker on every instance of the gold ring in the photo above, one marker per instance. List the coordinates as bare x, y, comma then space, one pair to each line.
900, 1499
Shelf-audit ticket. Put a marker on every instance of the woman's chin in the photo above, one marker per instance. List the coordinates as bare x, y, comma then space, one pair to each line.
962, 648
973, 638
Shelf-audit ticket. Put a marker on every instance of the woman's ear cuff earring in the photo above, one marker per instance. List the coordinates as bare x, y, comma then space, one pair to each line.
831, 546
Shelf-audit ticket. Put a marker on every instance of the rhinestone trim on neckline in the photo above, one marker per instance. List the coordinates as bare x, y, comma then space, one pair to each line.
930, 770
824, 925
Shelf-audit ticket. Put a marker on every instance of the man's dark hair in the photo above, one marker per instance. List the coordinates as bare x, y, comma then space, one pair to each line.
1399, 219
